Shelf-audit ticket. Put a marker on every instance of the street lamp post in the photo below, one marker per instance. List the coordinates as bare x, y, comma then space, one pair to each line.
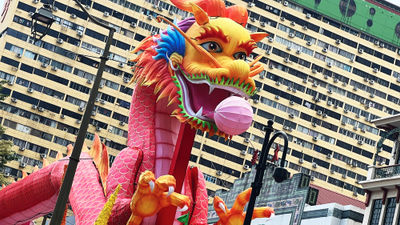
62, 199
280, 173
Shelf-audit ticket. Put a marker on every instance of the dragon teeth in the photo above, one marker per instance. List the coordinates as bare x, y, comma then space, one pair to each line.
211, 89
200, 112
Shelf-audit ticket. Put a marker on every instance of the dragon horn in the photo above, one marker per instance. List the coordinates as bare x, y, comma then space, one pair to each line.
199, 14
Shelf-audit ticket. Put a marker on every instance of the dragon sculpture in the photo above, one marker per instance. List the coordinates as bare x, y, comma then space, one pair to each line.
195, 72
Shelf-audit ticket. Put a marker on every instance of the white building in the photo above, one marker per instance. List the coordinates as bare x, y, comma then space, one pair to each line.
383, 181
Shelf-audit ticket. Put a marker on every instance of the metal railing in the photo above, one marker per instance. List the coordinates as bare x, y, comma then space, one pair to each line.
387, 171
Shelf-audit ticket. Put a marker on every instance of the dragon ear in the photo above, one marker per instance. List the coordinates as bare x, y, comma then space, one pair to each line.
258, 36
199, 14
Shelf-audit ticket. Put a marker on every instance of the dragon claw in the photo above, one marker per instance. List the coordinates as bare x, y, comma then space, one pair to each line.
222, 206
183, 209
152, 185
170, 190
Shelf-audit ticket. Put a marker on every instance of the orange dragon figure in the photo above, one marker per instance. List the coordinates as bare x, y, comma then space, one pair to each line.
196, 73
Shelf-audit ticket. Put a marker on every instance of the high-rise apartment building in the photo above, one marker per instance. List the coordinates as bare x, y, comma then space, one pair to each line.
329, 70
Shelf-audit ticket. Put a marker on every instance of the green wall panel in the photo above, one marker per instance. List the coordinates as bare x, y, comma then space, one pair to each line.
356, 13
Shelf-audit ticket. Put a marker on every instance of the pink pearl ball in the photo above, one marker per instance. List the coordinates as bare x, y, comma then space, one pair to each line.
233, 115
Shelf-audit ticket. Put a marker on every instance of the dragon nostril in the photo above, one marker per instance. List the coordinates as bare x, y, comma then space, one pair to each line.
239, 68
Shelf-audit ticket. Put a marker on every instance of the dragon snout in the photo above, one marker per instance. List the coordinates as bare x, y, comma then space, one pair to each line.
238, 69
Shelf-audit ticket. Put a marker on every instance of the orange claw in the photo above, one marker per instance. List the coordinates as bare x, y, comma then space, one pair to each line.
154, 194
236, 216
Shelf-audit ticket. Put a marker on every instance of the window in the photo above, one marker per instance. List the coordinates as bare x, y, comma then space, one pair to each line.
389, 214
376, 212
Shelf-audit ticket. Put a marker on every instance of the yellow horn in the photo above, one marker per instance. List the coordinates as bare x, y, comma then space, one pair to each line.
199, 14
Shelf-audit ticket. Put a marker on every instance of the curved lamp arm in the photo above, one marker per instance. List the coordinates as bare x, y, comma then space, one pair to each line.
94, 20
285, 145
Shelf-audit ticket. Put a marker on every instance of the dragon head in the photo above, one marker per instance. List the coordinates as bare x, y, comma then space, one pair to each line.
200, 62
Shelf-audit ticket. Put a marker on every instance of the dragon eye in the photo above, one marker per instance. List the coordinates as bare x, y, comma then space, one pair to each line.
240, 56
212, 46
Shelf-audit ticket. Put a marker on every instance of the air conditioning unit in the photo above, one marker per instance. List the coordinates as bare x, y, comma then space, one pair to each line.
133, 24
40, 109
268, 52
355, 88
126, 80
19, 55
160, 8
219, 172
371, 82
381, 45
93, 113
335, 80
329, 64
344, 176
252, 19
87, 7
73, 16
44, 65
6, 174
314, 71
360, 50
31, 14
305, 80
319, 112
325, 50
282, 18
98, 128
10, 82
246, 167
309, 43
22, 164
79, 33
35, 1
345, 110
250, 4
34, 107
337, 41
271, 66
81, 109
353, 164
285, 3
371, 95
314, 165
312, 178
22, 148
330, 90
313, 124
43, 156
328, 156
285, 128
54, 68
286, 60
262, 24
121, 123
30, 90
78, 121
352, 59
106, 14
315, 84
315, 138
149, 17
291, 102
243, 152
301, 160
305, 27
102, 101
329, 103
363, 130
292, 23
332, 171
355, 128
62, 116
60, 41
291, 35
101, 85
298, 51
255, 101
288, 48
291, 115
89, 81
360, 142
324, 115
14, 100
270, 39
170, 12
276, 97
308, 15
278, 83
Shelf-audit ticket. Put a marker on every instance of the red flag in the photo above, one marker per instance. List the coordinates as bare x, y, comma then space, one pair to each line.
254, 158
276, 157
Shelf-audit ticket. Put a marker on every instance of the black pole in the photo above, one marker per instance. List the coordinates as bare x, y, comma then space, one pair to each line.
280, 174
260, 168
76, 152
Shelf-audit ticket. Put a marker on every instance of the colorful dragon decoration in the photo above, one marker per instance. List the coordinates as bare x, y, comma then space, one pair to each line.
195, 72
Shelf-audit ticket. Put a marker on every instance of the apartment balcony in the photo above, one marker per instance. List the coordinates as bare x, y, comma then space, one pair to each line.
387, 177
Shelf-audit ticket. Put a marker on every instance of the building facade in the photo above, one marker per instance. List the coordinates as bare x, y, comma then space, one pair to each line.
325, 79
